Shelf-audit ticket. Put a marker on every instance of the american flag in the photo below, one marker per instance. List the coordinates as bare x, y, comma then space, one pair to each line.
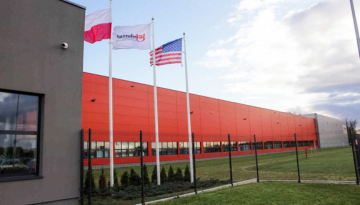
168, 53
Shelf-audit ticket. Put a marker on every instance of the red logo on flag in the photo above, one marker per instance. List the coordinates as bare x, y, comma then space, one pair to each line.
140, 38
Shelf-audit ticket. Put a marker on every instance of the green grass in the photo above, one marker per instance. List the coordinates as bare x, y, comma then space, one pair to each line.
326, 164
276, 193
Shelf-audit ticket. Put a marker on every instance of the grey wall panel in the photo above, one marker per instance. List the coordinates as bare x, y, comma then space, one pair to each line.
32, 60
330, 131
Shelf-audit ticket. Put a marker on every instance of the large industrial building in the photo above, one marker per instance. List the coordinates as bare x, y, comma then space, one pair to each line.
211, 122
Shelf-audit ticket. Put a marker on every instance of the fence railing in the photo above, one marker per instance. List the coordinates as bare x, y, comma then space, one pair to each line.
235, 159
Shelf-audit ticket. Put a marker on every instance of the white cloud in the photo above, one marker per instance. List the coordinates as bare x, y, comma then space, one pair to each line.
302, 57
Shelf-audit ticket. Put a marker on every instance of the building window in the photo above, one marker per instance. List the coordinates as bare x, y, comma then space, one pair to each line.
277, 145
19, 134
292, 143
233, 146
165, 148
306, 143
300, 144
286, 144
130, 149
311, 143
244, 146
184, 147
259, 145
268, 145
210, 147
99, 149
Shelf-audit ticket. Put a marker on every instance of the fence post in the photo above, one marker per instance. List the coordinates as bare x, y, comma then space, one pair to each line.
352, 138
231, 178
89, 168
82, 167
194, 167
257, 166
142, 169
297, 158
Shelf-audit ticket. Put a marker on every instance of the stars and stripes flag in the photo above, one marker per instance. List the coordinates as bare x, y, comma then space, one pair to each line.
168, 53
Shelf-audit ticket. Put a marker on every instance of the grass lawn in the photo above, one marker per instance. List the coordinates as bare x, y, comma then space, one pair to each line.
326, 164
276, 193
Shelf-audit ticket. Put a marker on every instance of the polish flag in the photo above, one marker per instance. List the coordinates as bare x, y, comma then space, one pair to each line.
98, 26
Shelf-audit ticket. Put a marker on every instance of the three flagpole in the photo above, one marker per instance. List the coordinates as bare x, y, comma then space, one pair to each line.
111, 106
155, 110
188, 116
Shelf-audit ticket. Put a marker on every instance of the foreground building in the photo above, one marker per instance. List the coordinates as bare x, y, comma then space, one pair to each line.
211, 121
40, 101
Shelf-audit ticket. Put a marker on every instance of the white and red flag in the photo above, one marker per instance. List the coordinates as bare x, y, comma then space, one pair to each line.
131, 37
98, 26
168, 53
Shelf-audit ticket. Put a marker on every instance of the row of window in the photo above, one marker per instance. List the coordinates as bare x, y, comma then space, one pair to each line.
132, 149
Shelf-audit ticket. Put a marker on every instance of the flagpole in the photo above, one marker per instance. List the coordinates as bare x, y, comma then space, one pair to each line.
155, 110
188, 115
111, 106
355, 25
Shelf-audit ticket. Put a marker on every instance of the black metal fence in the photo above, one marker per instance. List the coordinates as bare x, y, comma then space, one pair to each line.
257, 163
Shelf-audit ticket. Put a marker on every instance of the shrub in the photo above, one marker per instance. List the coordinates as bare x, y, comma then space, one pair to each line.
163, 177
102, 180
116, 179
171, 175
125, 179
134, 178
178, 176
146, 175
154, 175
187, 176
87, 179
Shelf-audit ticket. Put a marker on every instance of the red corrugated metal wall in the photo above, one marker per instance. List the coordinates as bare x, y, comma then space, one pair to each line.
212, 119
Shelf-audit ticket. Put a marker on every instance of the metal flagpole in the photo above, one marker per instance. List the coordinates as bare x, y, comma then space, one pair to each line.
111, 106
156, 111
355, 25
188, 115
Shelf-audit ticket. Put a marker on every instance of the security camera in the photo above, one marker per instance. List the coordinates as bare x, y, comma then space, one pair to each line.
64, 45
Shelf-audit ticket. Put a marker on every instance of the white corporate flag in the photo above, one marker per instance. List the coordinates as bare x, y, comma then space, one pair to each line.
127, 37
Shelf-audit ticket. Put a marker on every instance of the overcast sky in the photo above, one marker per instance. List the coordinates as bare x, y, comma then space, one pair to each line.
287, 55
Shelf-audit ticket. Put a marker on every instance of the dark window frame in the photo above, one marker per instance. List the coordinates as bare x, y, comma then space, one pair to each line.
38, 134
94, 150
164, 151
184, 149
225, 146
212, 148
128, 150
259, 145
271, 143
276, 143
243, 145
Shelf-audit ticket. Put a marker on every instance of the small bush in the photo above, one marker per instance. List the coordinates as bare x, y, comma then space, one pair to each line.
87, 179
134, 179
178, 176
154, 175
187, 176
125, 179
171, 175
120, 195
163, 177
146, 175
116, 179
102, 180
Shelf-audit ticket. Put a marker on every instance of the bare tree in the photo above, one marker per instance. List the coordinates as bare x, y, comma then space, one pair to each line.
351, 127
